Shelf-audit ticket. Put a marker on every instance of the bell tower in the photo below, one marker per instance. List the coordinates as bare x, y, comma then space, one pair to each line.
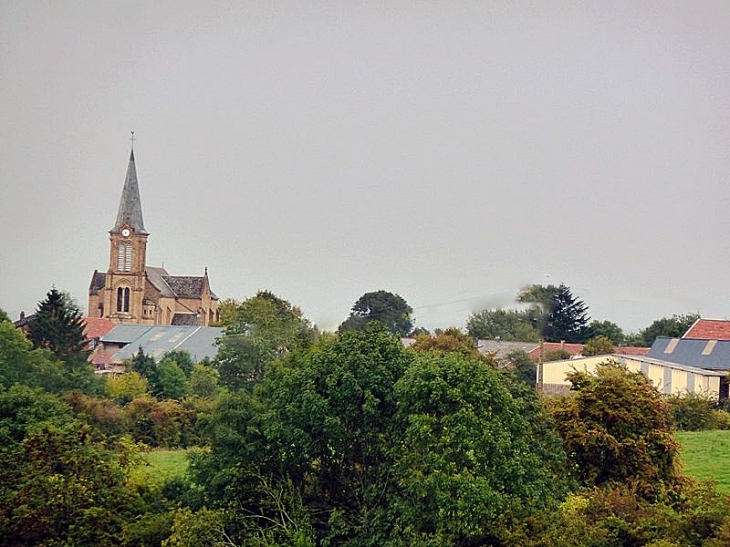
125, 279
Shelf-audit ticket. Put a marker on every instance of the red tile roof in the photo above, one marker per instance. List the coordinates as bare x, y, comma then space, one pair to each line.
573, 349
709, 329
631, 350
100, 358
96, 327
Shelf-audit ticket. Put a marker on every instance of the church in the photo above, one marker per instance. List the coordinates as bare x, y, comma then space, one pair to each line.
132, 292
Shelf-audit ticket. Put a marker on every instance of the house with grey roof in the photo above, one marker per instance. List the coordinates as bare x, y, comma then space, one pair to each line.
123, 342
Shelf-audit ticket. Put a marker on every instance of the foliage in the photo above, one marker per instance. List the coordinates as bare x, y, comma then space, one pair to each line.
58, 325
616, 429
508, 325
609, 329
524, 367
359, 441
171, 380
568, 318
265, 327
58, 485
4, 316
556, 355
183, 359
203, 381
451, 340
126, 387
470, 452
600, 345
672, 327
620, 515
145, 365
387, 308
693, 412
20, 363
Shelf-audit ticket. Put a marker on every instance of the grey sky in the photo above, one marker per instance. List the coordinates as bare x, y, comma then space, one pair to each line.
450, 152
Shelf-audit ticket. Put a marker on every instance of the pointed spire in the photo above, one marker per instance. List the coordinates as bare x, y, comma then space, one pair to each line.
130, 205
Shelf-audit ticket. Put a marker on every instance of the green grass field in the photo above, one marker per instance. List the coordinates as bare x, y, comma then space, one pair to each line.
705, 456
161, 465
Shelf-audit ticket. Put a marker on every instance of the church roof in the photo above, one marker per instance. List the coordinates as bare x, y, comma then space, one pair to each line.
186, 319
130, 205
180, 286
98, 280
185, 286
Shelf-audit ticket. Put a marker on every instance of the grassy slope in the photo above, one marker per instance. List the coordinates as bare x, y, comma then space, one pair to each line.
162, 465
706, 456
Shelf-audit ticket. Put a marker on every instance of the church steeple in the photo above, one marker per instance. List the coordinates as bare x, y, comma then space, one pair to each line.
130, 206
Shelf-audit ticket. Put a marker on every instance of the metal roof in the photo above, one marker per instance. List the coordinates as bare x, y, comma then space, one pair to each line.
124, 334
694, 352
159, 340
668, 364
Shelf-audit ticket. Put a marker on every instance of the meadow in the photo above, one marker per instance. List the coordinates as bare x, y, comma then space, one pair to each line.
705, 455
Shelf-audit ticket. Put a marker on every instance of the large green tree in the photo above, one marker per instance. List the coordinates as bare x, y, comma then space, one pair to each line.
673, 327
616, 429
385, 307
508, 325
358, 441
472, 451
58, 325
259, 330
609, 329
565, 317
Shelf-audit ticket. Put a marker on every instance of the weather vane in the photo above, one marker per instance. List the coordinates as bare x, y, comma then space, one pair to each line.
132, 139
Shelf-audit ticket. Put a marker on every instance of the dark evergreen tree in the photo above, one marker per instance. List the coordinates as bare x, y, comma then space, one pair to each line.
567, 318
384, 307
59, 325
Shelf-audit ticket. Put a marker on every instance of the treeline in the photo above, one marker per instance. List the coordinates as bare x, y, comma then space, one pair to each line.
554, 314
312, 439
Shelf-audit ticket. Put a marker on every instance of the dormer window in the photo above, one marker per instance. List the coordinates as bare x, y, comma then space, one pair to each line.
124, 257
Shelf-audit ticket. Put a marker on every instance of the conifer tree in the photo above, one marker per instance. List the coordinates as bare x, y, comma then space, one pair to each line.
568, 318
59, 325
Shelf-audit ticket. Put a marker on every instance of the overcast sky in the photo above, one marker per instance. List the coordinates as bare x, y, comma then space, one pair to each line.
450, 152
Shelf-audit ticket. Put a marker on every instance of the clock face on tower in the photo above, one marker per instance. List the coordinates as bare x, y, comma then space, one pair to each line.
125, 232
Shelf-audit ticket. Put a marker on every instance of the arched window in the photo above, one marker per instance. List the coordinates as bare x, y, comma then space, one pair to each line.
123, 299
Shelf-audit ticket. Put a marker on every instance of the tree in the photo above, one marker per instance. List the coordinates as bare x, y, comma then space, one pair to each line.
320, 425
263, 328
524, 366
609, 329
58, 325
600, 345
126, 387
568, 318
4, 316
616, 429
384, 307
203, 381
171, 381
508, 325
452, 339
564, 317
673, 327
471, 452
21, 363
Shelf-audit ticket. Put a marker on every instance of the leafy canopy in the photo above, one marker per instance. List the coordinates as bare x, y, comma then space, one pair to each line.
387, 308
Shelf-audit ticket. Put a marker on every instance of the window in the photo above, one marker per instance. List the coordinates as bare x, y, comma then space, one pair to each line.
124, 257
123, 299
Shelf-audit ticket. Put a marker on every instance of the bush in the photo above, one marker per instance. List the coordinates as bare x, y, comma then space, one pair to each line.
692, 412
